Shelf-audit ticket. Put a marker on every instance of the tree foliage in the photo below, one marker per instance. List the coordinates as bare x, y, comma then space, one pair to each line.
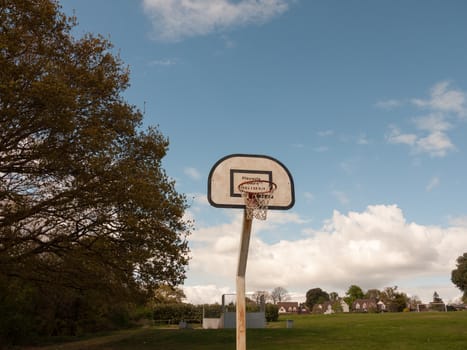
167, 294
85, 205
353, 293
174, 313
373, 294
333, 296
271, 313
459, 275
395, 301
315, 296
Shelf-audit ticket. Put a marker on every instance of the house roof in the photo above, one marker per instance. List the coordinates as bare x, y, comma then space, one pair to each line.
287, 304
368, 302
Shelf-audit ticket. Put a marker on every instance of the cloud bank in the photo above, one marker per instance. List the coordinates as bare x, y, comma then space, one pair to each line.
373, 249
445, 108
173, 20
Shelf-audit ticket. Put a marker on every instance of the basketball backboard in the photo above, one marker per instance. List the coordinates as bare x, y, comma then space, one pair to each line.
229, 172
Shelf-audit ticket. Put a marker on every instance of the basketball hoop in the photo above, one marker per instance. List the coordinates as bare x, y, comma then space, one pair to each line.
256, 194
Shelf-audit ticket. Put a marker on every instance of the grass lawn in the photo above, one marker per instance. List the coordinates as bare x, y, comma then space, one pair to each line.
443, 331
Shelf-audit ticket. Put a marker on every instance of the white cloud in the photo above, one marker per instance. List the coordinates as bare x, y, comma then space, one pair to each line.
373, 249
324, 133
228, 43
321, 149
363, 140
434, 122
434, 182
388, 104
205, 294
444, 99
436, 144
174, 20
445, 106
349, 165
163, 62
395, 136
298, 145
460, 221
193, 173
309, 196
341, 197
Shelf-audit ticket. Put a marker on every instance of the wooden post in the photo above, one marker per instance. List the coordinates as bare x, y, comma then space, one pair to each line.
241, 270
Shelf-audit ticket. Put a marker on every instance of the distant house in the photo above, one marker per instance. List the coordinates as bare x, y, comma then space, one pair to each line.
345, 306
329, 307
368, 305
324, 308
457, 307
381, 306
303, 309
364, 305
288, 307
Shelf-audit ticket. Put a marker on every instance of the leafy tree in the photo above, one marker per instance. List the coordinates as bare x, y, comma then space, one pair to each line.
167, 294
459, 275
271, 313
436, 298
413, 301
174, 313
85, 205
333, 296
315, 296
399, 303
395, 301
279, 294
373, 294
353, 293
337, 306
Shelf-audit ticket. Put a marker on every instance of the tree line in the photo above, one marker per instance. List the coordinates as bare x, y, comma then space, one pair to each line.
394, 300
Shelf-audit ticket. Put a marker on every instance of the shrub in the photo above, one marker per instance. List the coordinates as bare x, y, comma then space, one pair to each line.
212, 311
272, 313
174, 313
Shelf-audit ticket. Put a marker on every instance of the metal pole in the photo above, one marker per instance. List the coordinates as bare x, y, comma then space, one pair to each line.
241, 270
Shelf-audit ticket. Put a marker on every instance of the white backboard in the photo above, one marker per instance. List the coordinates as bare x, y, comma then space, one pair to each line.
230, 171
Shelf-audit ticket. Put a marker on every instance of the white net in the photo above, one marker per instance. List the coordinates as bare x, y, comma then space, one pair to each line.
257, 195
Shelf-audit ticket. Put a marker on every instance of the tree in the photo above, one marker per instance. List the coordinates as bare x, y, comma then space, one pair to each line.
395, 301
436, 298
459, 275
353, 293
279, 294
437, 303
166, 294
333, 296
373, 294
85, 205
271, 313
414, 301
315, 296
260, 297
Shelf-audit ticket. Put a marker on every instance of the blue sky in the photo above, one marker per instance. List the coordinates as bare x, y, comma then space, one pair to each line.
365, 102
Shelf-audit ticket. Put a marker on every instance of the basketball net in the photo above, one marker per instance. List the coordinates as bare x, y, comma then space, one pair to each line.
256, 195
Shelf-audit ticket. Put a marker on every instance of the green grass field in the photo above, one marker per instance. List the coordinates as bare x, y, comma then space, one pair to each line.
443, 331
